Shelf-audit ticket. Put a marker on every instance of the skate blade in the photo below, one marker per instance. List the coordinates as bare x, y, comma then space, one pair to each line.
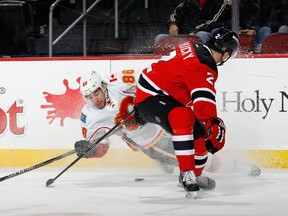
191, 194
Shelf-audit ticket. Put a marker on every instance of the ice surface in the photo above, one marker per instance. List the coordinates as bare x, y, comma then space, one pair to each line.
87, 192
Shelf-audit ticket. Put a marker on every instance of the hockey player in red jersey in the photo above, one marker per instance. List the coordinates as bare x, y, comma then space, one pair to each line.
178, 94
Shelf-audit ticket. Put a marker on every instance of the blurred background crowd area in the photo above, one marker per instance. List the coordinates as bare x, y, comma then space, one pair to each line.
109, 27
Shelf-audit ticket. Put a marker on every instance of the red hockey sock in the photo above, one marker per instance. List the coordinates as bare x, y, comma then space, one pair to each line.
201, 155
182, 120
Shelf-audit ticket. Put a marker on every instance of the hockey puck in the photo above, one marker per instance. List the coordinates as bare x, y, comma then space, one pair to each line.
139, 179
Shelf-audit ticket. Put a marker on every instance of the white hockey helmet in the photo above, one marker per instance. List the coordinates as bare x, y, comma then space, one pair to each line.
89, 82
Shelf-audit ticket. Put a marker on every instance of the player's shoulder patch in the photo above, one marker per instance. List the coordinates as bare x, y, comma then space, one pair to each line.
83, 117
113, 77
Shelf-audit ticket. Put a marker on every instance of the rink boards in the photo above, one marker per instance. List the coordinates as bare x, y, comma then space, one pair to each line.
40, 105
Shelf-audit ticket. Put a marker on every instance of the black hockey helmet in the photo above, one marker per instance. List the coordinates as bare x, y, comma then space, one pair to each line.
224, 40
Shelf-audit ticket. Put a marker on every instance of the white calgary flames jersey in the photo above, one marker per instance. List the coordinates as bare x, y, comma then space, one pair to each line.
121, 95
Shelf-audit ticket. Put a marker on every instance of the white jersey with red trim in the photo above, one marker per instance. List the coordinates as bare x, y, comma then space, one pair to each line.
121, 95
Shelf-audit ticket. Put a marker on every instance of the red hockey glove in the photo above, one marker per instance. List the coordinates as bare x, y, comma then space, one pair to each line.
216, 135
97, 152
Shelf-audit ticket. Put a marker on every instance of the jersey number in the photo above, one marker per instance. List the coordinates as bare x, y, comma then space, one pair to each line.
210, 78
128, 76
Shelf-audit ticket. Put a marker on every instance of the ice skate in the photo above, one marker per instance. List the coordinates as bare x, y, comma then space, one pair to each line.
246, 168
189, 183
205, 182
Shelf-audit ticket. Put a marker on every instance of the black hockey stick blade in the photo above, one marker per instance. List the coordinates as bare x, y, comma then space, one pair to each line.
37, 166
116, 126
49, 182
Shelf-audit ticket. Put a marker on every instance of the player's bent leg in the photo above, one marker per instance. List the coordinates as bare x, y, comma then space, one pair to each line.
158, 147
166, 168
246, 168
201, 157
182, 120
218, 163
163, 153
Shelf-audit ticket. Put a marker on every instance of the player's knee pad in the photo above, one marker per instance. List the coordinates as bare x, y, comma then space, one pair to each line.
181, 118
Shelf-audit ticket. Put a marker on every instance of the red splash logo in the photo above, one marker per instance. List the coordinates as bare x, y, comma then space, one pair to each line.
67, 105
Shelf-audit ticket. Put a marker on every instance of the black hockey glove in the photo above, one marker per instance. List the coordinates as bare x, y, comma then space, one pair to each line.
82, 146
139, 120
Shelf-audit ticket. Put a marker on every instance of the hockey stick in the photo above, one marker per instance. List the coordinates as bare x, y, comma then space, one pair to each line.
116, 126
28, 169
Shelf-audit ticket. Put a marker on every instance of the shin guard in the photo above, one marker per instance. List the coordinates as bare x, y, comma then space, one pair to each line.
182, 120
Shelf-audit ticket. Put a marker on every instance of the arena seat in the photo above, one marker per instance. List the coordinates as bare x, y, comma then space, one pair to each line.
275, 44
15, 28
246, 43
166, 45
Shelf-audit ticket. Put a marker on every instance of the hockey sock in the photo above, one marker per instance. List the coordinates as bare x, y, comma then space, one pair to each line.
182, 120
201, 155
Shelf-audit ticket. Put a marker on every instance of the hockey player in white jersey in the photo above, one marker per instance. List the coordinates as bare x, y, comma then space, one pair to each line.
108, 101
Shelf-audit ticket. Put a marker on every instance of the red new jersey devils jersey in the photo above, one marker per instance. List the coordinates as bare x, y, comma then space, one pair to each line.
188, 75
